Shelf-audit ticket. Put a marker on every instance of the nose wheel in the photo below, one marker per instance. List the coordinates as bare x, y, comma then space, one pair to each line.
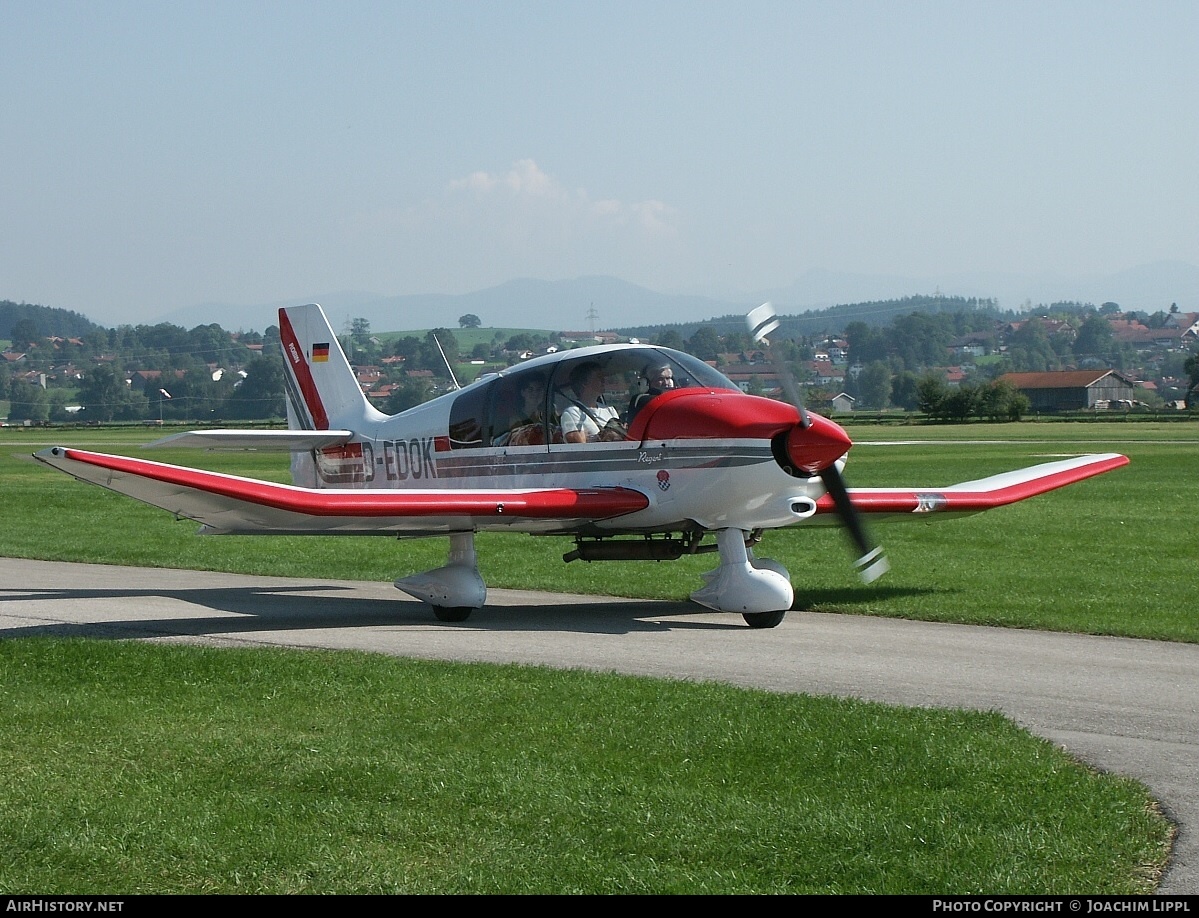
763, 619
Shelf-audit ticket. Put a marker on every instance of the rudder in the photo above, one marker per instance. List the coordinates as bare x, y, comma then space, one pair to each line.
322, 390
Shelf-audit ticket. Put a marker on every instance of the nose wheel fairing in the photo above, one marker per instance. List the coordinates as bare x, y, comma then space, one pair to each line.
751, 586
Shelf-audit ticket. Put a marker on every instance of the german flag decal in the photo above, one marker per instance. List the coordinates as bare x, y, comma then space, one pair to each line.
320, 353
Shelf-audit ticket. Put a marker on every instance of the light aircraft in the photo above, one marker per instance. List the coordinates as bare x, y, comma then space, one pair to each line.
701, 467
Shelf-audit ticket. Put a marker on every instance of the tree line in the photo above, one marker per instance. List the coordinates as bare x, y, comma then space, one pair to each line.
208, 373
141, 372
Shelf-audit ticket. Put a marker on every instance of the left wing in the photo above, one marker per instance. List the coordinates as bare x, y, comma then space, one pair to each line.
295, 441
976, 496
232, 504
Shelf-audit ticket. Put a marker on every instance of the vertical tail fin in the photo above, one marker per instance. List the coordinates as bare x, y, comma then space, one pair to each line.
322, 390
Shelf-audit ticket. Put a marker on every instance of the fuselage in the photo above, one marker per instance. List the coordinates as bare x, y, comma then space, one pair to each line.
706, 455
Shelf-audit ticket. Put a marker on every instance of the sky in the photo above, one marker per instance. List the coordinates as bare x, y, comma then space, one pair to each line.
157, 155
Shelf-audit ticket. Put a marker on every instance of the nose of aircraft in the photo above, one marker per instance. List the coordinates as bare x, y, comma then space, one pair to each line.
719, 414
816, 447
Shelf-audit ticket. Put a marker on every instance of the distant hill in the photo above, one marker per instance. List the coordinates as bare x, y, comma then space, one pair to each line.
834, 319
606, 303
1146, 288
51, 322
577, 305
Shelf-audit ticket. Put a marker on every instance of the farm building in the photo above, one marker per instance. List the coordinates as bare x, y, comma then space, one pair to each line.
1072, 390
843, 402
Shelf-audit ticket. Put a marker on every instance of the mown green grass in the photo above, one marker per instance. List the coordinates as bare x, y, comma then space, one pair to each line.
1113, 555
133, 768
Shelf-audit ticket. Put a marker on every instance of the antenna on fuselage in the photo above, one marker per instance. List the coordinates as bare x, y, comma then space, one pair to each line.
446, 360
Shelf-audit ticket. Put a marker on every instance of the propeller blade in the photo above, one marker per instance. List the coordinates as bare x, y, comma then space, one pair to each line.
872, 563
762, 321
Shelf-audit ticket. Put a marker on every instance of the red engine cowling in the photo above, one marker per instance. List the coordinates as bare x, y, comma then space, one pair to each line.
722, 414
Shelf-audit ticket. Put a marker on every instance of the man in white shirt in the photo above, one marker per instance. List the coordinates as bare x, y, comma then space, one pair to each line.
586, 418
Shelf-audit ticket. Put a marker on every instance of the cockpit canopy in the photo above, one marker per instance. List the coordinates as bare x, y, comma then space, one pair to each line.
520, 406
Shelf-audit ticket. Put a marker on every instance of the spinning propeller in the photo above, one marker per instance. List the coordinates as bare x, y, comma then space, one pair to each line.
872, 563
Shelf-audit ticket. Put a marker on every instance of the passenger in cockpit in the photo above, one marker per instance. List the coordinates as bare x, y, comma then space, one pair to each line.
526, 425
659, 378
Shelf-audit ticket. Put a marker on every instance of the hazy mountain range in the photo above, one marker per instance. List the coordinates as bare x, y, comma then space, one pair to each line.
607, 302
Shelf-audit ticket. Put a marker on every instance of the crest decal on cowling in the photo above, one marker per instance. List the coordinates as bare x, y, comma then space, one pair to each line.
664, 480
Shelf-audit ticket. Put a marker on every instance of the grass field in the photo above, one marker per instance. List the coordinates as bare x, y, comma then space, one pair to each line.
132, 768
137, 768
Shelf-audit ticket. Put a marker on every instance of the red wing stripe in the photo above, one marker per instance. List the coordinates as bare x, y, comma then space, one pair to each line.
547, 503
952, 500
302, 372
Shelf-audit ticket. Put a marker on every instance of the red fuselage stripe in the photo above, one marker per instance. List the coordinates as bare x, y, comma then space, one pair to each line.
298, 362
550, 503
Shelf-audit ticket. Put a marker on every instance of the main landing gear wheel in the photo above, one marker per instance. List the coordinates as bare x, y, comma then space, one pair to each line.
453, 613
455, 589
763, 619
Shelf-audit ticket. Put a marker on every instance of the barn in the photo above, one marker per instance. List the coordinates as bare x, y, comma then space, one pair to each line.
1072, 390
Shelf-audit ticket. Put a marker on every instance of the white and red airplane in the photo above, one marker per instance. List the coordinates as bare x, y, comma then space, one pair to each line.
532, 449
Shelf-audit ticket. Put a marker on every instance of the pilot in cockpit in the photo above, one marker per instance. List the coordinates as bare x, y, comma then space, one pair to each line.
586, 418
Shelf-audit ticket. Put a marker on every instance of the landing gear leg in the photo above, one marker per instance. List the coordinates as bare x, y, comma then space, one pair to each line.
454, 590
760, 591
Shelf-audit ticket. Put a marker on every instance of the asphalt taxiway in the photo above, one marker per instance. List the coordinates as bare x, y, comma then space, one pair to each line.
1125, 706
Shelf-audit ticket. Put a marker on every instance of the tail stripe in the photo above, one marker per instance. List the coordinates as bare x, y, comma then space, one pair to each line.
302, 373
298, 417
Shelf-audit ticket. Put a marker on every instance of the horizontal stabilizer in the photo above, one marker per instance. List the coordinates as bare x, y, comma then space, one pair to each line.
284, 441
976, 496
232, 504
